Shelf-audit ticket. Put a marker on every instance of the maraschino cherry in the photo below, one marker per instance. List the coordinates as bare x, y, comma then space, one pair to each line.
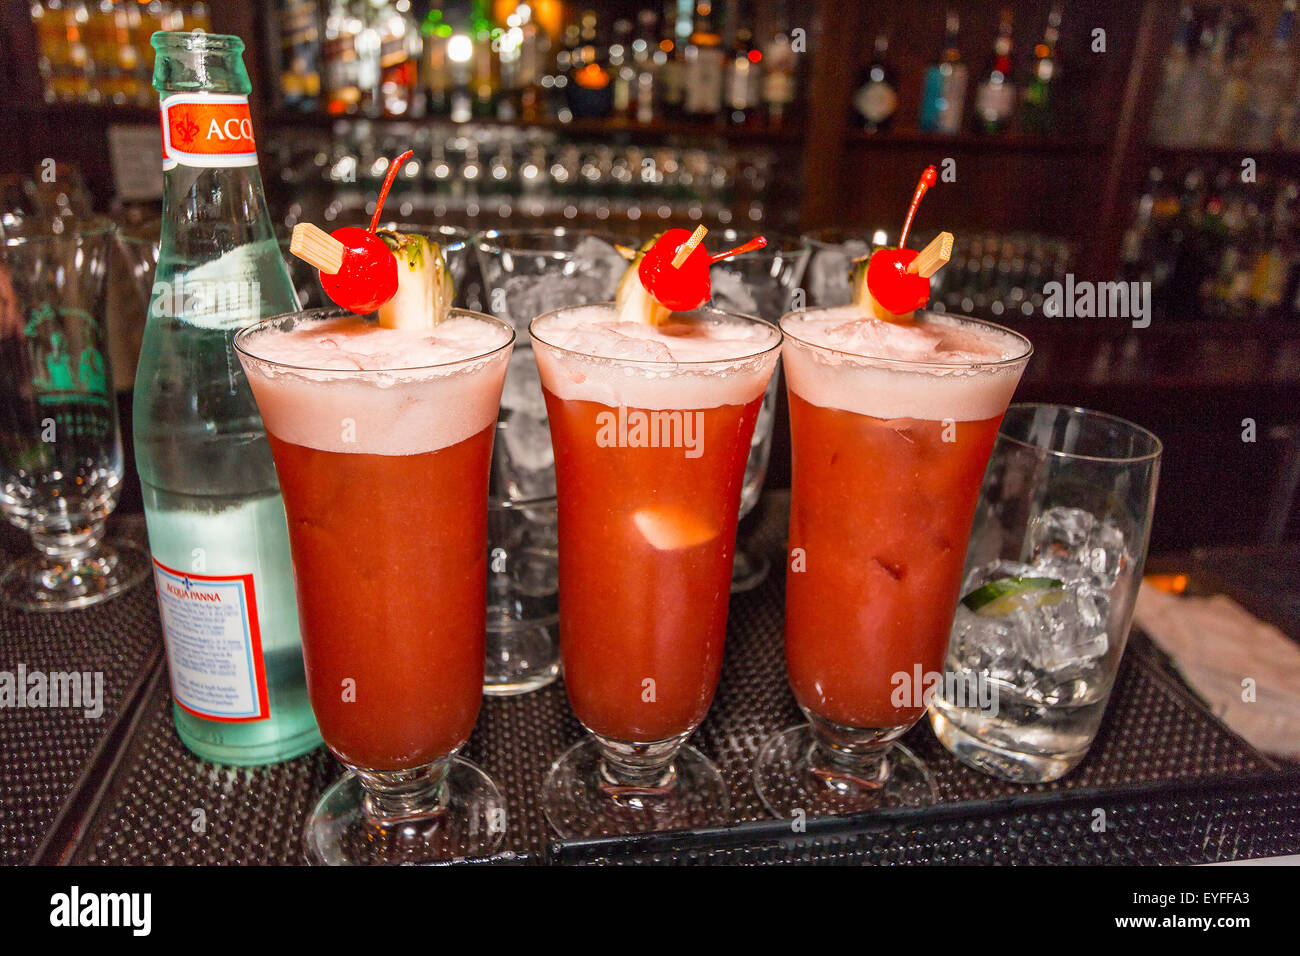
368, 276
888, 279
678, 284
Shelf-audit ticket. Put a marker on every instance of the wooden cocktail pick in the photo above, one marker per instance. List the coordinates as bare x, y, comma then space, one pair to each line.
314, 245
933, 257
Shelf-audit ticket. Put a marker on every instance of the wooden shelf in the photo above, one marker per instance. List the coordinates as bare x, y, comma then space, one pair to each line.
658, 130
972, 142
89, 113
1268, 158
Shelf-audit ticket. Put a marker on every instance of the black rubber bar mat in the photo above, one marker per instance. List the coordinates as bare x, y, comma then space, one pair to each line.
136, 795
52, 747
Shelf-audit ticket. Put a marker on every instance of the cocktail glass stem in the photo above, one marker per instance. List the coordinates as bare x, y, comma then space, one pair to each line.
70, 545
634, 767
72, 568
850, 756
398, 796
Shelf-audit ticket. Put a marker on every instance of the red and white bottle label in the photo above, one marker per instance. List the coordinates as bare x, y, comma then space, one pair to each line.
207, 130
214, 646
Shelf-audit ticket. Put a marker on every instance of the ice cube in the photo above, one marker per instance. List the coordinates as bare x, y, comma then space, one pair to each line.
523, 389
1075, 545
524, 298
731, 292
530, 457
600, 266
828, 273
1063, 636
607, 343
990, 646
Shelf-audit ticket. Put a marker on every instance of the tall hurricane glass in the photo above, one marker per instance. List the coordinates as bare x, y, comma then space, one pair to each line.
651, 428
382, 440
525, 273
891, 429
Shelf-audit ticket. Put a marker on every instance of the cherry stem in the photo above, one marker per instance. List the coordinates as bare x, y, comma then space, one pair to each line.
928, 179
393, 167
758, 242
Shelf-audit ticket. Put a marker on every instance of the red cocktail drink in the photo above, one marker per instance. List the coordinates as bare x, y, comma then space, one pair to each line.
891, 426
882, 510
392, 582
646, 543
651, 427
382, 439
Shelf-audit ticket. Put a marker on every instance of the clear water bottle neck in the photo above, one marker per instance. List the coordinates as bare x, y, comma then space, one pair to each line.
199, 62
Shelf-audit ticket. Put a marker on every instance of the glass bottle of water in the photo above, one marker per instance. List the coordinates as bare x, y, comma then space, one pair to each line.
212, 503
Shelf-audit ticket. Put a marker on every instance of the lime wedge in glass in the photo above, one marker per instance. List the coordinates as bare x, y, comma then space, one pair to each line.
1005, 595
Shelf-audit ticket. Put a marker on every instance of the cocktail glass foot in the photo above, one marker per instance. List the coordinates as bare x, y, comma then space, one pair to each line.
801, 774
602, 787
64, 575
446, 811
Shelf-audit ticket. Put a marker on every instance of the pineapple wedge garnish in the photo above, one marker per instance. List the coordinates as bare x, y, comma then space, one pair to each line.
634, 303
424, 285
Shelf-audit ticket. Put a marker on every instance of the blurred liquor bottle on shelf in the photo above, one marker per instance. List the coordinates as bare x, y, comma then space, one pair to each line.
534, 46
648, 62
399, 57
943, 96
435, 65
704, 67
97, 51
875, 100
671, 79
779, 79
1231, 83
1271, 106
1176, 64
485, 66
743, 87
1198, 87
622, 73
591, 85
64, 57
300, 50
341, 58
995, 96
460, 61
1042, 92
114, 33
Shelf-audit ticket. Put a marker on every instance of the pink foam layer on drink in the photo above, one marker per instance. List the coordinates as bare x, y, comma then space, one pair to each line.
347, 385
699, 360
937, 368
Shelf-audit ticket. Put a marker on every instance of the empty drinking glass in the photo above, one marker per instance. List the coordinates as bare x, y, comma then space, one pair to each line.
60, 447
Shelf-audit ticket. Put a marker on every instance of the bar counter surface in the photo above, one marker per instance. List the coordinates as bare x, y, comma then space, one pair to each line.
1168, 781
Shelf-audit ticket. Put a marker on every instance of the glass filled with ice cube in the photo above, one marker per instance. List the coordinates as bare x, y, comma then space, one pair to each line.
764, 283
1051, 575
527, 272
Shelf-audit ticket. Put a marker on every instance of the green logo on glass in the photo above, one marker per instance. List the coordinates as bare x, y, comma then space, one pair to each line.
53, 336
